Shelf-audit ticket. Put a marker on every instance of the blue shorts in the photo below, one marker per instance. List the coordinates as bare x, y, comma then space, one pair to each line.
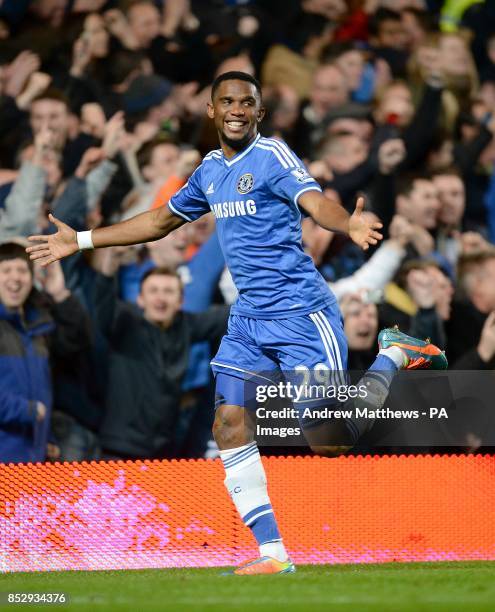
259, 350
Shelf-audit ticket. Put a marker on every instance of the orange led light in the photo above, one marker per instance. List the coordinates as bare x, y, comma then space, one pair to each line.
123, 515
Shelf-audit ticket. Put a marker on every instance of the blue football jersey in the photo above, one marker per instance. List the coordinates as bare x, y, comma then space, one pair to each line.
254, 198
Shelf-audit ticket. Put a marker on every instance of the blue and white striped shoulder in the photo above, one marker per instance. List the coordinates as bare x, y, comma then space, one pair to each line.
215, 154
281, 151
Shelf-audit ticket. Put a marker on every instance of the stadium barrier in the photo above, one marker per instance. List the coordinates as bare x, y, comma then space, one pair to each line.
152, 514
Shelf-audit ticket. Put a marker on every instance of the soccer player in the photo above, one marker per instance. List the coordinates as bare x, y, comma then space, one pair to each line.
285, 316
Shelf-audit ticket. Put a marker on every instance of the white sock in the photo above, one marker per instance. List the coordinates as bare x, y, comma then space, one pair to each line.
396, 355
276, 550
246, 483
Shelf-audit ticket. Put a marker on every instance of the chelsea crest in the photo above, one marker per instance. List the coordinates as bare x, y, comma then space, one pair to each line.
245, 183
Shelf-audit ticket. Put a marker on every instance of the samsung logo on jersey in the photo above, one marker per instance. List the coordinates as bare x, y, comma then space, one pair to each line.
239, 208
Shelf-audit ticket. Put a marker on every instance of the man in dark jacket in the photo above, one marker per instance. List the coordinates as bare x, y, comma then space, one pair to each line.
34, 326
477, 279
149, 353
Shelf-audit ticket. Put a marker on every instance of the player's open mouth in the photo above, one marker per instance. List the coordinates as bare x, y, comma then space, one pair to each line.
236, 126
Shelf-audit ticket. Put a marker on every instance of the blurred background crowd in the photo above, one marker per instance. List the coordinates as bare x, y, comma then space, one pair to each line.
103, 116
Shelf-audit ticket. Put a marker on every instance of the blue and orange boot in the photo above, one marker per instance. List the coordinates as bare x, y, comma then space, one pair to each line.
264, 565
419, 354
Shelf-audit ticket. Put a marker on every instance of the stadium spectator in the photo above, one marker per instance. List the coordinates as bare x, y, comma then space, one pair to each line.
172, 41
451, 194
481, 357
20, 84
152, 347
342, 154
80, 197
144, 23
351, 60
282, 106
158, 160
197, 257
477, 277
361, 327
51, 109
458, 67
346, 167
395, 105
51, 11
329, 90
22, 206
35, 327
416, 23
419, 301
164, 169
148, 99
417, 200
388, 39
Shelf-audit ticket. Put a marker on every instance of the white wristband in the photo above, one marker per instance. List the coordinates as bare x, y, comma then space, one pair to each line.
84, 240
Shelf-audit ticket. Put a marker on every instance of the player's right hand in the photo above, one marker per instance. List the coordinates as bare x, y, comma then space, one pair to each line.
53, 247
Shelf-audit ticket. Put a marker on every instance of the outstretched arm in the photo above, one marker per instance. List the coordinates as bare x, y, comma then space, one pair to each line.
332, 216
146, 227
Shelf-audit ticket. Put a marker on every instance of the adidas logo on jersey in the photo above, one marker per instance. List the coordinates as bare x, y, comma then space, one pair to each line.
210, 189
239, 208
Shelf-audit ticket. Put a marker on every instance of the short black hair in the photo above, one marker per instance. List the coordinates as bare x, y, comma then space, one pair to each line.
54, 94
161, 271
13, 250
124, 63
145, 152
406, 183
451, 170
379, 17
333, 51
235, 75
423, 18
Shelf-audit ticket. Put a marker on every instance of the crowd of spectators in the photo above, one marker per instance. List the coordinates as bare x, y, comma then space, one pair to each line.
102, 116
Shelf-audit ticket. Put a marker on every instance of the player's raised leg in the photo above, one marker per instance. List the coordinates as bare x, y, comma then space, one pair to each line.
315, 345
397, 351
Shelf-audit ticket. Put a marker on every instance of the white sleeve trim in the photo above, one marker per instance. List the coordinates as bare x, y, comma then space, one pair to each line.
312, 188
178, 213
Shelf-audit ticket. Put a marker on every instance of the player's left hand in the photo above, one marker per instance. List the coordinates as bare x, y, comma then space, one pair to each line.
361, 231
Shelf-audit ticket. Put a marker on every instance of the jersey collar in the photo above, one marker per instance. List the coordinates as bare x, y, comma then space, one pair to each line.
241, 154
